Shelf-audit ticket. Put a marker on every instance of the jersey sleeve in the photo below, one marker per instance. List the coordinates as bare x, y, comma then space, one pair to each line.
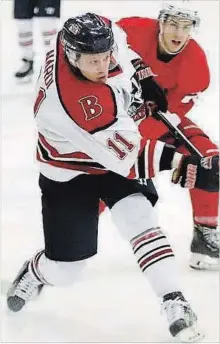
154, 156
193, 79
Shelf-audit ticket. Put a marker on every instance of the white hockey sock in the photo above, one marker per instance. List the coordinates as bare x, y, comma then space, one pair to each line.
56, 273
136, 220
48, 29
25, 37
156, 260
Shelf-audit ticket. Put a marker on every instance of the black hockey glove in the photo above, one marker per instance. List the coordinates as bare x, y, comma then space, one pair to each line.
153, 95
196, 172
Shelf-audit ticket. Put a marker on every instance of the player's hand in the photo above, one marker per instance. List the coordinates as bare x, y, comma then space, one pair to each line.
153, 95
196, 172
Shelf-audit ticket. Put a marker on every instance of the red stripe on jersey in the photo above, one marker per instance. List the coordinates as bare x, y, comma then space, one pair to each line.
142, 145
65, 165
90, 105
54, 153
151, 150
132, 174
155, 255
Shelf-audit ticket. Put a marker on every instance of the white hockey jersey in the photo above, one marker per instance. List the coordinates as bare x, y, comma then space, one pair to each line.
84, 127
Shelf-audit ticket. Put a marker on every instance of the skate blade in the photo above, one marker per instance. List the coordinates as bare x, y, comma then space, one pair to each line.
190, 335
204, 262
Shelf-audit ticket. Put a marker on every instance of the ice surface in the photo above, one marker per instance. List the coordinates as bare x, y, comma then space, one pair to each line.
113, 302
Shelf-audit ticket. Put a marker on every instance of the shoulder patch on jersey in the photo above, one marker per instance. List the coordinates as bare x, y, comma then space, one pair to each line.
91, 106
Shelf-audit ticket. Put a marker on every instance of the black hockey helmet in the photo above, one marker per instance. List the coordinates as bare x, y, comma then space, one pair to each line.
87, 34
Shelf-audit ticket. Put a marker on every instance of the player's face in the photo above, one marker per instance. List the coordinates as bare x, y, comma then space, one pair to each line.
95, 67
175, 33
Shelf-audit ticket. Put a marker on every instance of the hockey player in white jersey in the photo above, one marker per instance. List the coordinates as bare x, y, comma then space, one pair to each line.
88, 148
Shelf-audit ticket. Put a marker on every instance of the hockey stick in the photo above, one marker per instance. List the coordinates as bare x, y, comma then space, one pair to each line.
177, 133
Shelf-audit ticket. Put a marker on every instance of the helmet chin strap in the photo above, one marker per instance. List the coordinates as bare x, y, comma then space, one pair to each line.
165, 48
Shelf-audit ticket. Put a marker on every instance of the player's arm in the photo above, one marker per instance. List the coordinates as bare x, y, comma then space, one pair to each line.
134, 29
193, 80
188, 171
181, 103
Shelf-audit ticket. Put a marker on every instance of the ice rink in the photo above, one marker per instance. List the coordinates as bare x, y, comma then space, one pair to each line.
113, 302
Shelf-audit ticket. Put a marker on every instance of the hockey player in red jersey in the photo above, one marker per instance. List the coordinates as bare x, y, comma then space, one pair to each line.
87, 147
180, 67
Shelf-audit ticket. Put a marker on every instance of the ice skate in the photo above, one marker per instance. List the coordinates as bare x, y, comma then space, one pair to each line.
181, 319
205, 248
23, 289
25, 73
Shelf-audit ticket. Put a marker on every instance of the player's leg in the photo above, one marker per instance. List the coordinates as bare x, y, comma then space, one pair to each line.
205, 243
23, 13
131, 206
70, 222
48, 14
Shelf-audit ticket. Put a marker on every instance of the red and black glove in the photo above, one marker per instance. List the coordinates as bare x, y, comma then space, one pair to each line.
197, 172
153, 95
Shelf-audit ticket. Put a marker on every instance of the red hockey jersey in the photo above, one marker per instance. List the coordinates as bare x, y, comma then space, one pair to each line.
186, 75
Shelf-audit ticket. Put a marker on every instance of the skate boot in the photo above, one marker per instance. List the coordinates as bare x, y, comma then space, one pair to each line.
24, 74
23, 289
205, 248
181, 319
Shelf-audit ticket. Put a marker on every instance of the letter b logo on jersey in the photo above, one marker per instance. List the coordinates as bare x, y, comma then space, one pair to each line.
91, 107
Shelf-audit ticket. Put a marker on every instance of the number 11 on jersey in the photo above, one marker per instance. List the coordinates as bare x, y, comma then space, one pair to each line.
120, 145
